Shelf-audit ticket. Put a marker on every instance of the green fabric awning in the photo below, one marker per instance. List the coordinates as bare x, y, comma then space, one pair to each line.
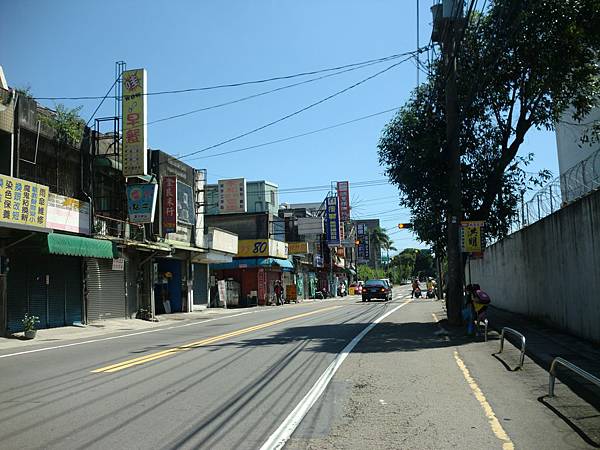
64, 244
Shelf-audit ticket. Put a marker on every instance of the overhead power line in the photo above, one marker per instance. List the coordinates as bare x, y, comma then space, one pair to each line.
259, 94
289, 138
250, 82
295, 113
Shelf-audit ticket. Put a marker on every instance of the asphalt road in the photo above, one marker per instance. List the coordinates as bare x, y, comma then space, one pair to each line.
230, 383
224, 384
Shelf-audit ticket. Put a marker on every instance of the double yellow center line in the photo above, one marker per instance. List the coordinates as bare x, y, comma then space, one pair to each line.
182, 348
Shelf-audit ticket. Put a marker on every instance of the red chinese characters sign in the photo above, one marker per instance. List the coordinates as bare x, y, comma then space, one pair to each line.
135, 146
169, 204
343, 189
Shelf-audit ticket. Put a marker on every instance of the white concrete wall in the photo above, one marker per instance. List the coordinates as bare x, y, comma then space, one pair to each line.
550, 270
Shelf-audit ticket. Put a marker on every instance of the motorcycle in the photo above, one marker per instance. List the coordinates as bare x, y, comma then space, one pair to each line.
430, 293
417, 293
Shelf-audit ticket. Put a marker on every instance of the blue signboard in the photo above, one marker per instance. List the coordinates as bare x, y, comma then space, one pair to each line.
141, 202
186, 212
332, 221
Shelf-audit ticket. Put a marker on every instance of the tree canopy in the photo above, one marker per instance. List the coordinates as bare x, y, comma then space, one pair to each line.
520, 65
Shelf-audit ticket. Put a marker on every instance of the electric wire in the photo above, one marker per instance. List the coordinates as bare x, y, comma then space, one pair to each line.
245, 83
249, 97
295, 113
297, 136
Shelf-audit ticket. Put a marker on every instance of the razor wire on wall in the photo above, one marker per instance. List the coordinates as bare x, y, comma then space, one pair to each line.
576, 182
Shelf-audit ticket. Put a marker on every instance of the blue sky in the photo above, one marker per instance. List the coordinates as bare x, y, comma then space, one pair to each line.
69, 48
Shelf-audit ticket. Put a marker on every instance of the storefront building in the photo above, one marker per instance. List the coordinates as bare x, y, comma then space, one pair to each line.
258, 265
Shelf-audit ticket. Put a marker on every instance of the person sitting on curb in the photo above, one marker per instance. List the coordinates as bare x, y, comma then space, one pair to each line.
477, 302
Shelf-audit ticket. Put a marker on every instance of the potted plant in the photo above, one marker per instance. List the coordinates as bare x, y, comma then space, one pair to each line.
29, 322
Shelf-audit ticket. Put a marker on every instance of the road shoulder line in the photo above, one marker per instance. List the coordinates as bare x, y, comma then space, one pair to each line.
495, 425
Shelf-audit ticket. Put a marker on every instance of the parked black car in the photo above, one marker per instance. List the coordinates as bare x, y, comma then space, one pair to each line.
376, 289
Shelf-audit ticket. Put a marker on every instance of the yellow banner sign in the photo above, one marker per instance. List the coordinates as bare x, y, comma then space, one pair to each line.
134, 123
471, 236
260, 248
297, 248
23, 202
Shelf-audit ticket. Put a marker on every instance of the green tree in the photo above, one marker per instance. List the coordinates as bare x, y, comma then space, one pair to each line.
66, 123
379, 239
520, 65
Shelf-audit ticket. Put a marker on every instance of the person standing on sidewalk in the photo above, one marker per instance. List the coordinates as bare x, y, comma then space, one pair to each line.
278, 293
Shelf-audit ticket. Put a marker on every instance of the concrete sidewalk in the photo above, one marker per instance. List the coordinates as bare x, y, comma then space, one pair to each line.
115, 327
576, 401
544, 343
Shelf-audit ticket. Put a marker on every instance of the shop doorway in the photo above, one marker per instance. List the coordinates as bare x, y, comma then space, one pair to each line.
167, 287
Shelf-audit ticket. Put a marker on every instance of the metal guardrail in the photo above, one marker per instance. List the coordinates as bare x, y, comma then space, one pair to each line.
516, 333
578, 370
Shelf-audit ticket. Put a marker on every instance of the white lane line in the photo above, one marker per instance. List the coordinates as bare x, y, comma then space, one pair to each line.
154, 330
278, 439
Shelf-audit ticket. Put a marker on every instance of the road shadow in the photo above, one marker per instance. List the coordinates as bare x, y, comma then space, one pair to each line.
582, 418
386, 337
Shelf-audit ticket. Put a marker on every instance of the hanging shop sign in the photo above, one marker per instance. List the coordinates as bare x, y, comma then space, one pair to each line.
260, 248
343, 190
169, 204
232, 196
470, 236
297, 248
141, 202
133, 103
185, 204
23, 202
332, 221
68, 214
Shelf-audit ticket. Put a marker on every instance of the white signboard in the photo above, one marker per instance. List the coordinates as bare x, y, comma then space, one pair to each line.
222, 292
68, 214
232, 196
310, 225
118, 264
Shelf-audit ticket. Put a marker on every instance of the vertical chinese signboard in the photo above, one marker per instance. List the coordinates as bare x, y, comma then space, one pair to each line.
135, 162
169, 204
232, 196
23, 202
332, 221
343, 190
262, 286
362, 231
470, 236
141, 202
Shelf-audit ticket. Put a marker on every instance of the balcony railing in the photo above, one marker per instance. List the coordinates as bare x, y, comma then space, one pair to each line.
120, 229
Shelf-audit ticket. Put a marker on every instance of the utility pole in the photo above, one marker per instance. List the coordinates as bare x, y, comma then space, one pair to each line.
448, 17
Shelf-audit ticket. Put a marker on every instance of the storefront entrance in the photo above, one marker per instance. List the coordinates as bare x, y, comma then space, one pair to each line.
168, 290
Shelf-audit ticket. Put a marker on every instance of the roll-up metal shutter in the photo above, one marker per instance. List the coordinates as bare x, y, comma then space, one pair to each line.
106, 290
64, 290
22, 269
